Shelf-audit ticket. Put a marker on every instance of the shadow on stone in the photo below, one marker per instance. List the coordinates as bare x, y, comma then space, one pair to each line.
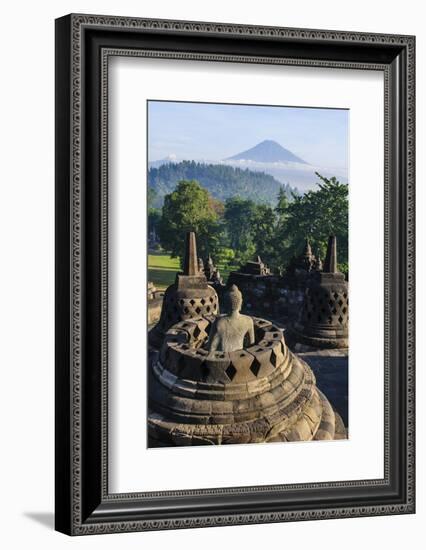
332, 379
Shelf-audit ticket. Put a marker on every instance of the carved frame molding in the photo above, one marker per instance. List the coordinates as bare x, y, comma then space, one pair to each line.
83, 504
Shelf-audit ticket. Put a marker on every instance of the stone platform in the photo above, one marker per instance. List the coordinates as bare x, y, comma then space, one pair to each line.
262, 393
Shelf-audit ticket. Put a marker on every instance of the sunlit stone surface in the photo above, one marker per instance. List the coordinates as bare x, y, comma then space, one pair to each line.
200, 395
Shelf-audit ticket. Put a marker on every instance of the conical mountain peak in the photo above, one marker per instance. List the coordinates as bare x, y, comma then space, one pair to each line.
268, 151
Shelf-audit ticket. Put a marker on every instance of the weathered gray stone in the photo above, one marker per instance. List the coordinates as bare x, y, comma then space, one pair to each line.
259, 393
324, 318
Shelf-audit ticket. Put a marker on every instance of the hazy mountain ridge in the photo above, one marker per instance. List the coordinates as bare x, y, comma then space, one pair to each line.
267, 158
222, 181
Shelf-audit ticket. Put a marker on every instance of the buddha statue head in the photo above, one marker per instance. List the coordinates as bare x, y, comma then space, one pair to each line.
234, 299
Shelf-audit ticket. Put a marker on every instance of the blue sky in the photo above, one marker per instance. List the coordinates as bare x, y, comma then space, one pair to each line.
208, 131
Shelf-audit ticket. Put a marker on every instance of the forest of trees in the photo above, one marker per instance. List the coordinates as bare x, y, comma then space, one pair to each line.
220, 180
235, 230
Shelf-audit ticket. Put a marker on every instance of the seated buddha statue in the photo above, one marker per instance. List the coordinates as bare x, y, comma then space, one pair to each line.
230, 331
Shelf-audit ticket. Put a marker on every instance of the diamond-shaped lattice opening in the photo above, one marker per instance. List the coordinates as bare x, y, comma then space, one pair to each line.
255, 367
335, 295
334, 310
197, 332
208, 309
181, 364
185, 310
344, 310
231, 371
340, 319
340, 303
345, 295
211, 299
273, 359
204, 373
203, 301
192, 302
197, 310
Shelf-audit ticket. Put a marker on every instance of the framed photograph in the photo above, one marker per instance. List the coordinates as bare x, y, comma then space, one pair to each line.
234, 274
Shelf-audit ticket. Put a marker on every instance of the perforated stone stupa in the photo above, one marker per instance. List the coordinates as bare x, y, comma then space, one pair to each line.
324, 318
203, 391
190, 296
212, 273
305, 262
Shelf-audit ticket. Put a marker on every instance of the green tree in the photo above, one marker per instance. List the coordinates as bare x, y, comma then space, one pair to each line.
316, 215
250, 228
239, 215
283, 202
189, 208
152, 197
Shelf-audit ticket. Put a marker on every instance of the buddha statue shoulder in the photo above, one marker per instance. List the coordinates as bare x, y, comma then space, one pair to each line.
231, 331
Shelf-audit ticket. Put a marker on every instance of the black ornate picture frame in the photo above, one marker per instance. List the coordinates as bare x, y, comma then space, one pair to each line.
84, 43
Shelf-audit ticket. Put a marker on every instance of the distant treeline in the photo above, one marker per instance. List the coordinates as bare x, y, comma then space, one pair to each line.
220, 180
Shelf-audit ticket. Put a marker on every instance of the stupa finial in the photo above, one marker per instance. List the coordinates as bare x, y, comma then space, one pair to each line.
190, 264
308, 250
330, 264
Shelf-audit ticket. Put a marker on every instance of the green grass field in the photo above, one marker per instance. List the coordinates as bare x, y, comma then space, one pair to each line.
162, 269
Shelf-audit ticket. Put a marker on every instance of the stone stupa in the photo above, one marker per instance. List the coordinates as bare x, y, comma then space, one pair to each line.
232, 379
324, 318
190, 295
306, 261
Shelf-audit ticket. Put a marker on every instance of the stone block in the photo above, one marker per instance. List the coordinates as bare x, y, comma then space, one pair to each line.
172, 336
174, 360
242, 361
217, 368
261, 365
191, 366
275, 345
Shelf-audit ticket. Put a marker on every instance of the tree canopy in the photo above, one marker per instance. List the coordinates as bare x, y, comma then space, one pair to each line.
316, 215
240, 228
189, 208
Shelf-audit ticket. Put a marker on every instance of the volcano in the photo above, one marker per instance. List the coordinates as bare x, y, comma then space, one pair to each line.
268, 151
